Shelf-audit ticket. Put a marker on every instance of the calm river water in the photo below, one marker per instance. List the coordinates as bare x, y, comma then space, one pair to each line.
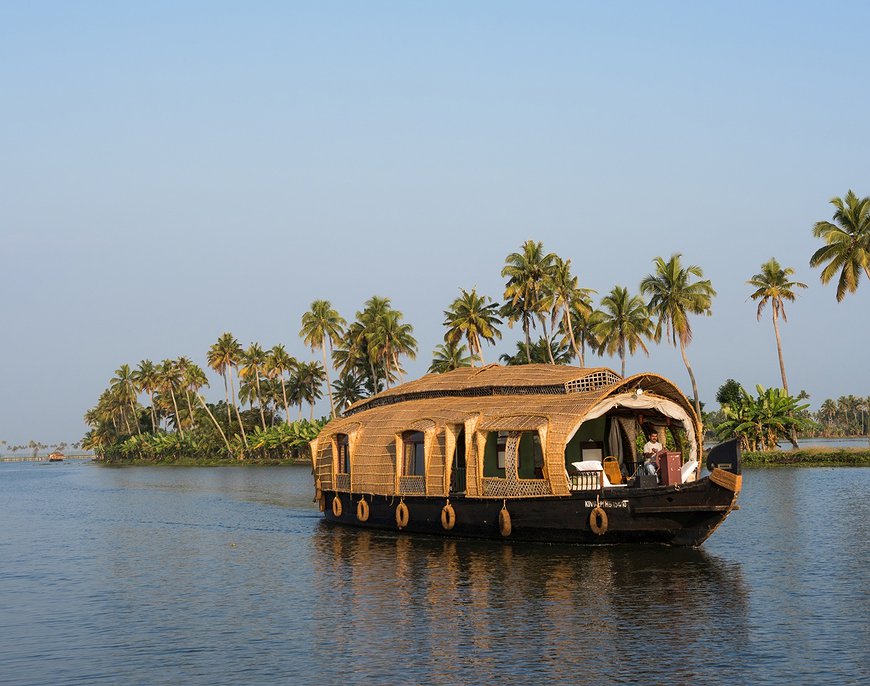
229, 576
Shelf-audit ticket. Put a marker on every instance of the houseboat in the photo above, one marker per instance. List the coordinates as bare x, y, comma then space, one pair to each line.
533, 453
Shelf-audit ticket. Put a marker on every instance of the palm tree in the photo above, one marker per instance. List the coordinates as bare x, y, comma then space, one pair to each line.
169, 379
320, 325
296, 388
183, 364
247, 393
566, 298
271, 390
254, 362
106, 411
772, 286
449, 356
623, 324
391, 339
122, 382
280, 362
145, 378
828, 413
847, 243
539, 354
863, 406
371, 321
673, 297
351, 356
348, 389
526, 273
474, 317
193, 378
311, 377
584, 320
223, 357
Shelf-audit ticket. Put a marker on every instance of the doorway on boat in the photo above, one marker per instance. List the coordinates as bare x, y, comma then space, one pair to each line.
631, 435
457, 471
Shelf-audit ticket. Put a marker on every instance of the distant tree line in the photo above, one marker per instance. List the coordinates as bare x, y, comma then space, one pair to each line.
35, 447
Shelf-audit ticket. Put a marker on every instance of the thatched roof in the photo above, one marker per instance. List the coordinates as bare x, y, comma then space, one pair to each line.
494, 379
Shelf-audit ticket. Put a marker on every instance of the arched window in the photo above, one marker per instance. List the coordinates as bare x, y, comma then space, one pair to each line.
342, 445
494, 454
530, 457
413, 454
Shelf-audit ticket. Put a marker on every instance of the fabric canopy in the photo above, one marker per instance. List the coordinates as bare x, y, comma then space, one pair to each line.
634, 401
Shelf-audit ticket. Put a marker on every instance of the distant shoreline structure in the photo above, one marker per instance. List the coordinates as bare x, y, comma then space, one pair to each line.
45, 458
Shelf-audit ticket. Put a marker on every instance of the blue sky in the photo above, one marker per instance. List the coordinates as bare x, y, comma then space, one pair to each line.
171, 171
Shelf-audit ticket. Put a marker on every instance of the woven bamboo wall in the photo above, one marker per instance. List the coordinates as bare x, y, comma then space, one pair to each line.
435, 463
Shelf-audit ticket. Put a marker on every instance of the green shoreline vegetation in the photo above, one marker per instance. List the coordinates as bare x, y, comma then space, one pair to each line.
809, 457
156, 413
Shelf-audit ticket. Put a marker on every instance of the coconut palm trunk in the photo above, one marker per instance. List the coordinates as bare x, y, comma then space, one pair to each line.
388, 367
284, 393
779, 351
189, 406
227, 397
398, 367
328, 380
528, 338
479, 350
792, 434
175, 406
153, 412
374, 375
236, 407
547, 341
260, 399
692, 377
572, 339
135, 416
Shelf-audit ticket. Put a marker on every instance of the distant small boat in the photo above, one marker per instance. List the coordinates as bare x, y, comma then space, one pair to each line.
56, 457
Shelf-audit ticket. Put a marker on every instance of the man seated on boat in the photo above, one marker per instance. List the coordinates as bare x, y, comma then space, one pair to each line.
650, 449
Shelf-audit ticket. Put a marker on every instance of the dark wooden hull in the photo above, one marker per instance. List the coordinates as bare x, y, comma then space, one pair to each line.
684, 516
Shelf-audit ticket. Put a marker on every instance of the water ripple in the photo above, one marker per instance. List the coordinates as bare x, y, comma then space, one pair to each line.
219, 576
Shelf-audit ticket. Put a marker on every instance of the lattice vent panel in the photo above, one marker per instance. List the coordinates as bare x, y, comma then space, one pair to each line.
599, 379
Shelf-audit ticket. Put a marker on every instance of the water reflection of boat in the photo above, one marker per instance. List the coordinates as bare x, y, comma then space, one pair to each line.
536, 452
603, 612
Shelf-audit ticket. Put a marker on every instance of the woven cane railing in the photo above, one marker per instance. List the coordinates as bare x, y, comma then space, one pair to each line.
412, 485
494, 487
342, 482
585, 481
